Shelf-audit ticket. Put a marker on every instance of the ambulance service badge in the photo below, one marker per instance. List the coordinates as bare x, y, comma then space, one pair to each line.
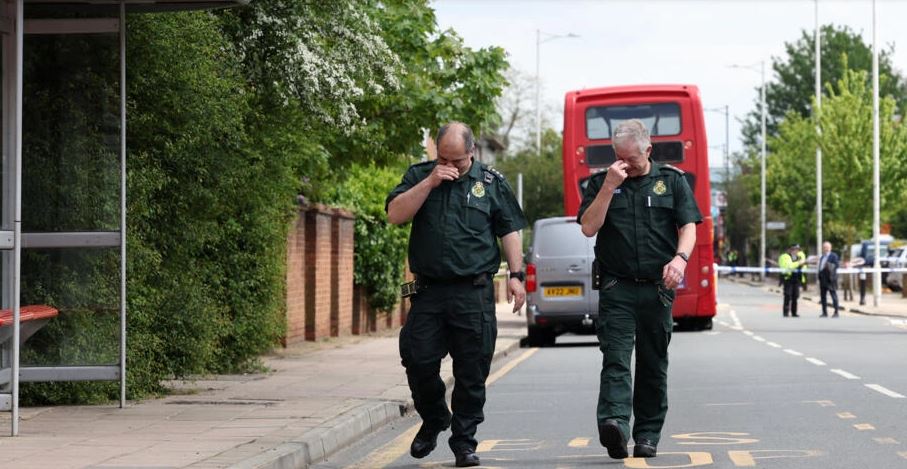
659, 188
478, 189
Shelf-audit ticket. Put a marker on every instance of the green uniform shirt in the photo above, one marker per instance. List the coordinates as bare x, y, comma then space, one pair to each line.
639, 235
453, 233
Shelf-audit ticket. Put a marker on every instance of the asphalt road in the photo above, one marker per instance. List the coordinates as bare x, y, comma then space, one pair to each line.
759, 390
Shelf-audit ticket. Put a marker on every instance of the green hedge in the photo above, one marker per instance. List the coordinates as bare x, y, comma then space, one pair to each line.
380, 246
211, 183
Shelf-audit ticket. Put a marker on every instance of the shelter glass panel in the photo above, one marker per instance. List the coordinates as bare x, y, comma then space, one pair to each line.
71, 133
83, 286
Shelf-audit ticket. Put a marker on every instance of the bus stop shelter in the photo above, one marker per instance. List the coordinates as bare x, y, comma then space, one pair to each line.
62, 234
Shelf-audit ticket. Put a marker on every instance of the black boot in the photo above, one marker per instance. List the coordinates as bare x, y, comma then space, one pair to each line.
426, 440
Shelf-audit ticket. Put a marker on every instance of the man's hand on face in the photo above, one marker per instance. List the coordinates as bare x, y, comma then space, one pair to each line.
441, 173
616, 175
672, 274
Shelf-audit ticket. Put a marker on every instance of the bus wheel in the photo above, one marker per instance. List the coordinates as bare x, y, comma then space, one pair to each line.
704, 324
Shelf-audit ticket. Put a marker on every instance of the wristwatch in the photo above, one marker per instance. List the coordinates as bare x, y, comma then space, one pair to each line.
683, 256
518, 275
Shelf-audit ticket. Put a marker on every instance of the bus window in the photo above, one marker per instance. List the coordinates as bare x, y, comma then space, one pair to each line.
662, 152
661, 119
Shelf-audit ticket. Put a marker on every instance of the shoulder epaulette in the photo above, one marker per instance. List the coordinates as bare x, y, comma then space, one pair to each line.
673, 168
492, 172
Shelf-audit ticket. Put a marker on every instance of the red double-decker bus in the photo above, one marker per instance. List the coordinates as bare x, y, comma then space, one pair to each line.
673, 114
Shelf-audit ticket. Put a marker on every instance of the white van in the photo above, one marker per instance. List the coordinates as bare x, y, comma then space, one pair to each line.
560, 297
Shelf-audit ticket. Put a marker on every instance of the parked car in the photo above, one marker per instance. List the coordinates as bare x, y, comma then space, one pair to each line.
560, 297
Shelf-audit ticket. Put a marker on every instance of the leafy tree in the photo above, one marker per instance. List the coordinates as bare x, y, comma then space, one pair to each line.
441, 80
516, 125
846, 142
795, 73
543, 182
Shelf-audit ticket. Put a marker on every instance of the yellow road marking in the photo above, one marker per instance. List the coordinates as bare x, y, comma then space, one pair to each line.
390, 452
821, 403
522, 444
846, 415
696, 459
509, 366
399, 446
886, 441
748, 458
714, 438
578, 443
863, 426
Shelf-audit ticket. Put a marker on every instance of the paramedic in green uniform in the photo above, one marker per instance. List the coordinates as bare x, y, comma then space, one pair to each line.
644, 216
459, 207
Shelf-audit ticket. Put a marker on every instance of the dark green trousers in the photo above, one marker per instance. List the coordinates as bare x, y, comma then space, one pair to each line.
457, 319
639, 314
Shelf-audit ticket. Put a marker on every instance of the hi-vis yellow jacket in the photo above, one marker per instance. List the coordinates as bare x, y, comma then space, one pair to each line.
788, 265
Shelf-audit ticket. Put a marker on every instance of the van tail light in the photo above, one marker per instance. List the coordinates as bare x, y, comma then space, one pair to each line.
531, 285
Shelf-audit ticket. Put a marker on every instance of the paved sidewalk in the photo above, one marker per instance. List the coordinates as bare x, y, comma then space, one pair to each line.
314, 400
891, 304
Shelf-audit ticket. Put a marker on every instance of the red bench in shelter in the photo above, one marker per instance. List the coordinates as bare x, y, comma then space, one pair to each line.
31, 319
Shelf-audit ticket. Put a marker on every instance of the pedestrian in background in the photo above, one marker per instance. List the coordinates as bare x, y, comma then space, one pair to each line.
459, 207
828, 278
644, 218
732, 259
790, 263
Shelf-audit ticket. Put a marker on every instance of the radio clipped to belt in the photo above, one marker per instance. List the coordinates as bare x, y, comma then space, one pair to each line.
408, 289
596, 275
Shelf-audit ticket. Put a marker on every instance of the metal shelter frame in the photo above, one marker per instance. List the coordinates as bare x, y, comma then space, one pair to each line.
15, 29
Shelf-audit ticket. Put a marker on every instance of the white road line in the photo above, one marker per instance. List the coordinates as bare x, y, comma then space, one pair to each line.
885, 391
793, 352
815, 361
844, 374
758, 339
772, 344
749, 333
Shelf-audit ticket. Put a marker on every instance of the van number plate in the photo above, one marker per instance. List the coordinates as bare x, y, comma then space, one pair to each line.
563, 291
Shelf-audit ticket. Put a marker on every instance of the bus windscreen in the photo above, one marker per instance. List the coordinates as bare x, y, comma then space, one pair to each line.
662, 119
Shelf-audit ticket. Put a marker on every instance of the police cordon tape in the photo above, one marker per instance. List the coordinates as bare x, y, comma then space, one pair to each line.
726, 269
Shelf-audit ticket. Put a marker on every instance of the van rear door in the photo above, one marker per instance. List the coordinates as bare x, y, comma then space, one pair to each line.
563, 267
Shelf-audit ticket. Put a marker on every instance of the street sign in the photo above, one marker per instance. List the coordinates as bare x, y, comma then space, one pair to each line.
775, 225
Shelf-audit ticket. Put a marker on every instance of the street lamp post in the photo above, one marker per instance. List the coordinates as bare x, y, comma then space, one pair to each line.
876, 201
818, 37
727, 159
761, 71
538, 84
727, 164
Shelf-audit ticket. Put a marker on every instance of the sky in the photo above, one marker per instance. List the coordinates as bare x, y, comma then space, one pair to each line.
663, 41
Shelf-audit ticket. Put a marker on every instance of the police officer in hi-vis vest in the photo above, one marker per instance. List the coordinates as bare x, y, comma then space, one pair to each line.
790, 263
459, 209
644, 218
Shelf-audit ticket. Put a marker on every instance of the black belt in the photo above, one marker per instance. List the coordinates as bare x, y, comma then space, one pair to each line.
478, 279
638, 280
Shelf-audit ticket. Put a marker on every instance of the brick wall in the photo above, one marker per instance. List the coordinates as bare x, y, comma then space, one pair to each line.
343, 234
322, 300
317, 270
296, 282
